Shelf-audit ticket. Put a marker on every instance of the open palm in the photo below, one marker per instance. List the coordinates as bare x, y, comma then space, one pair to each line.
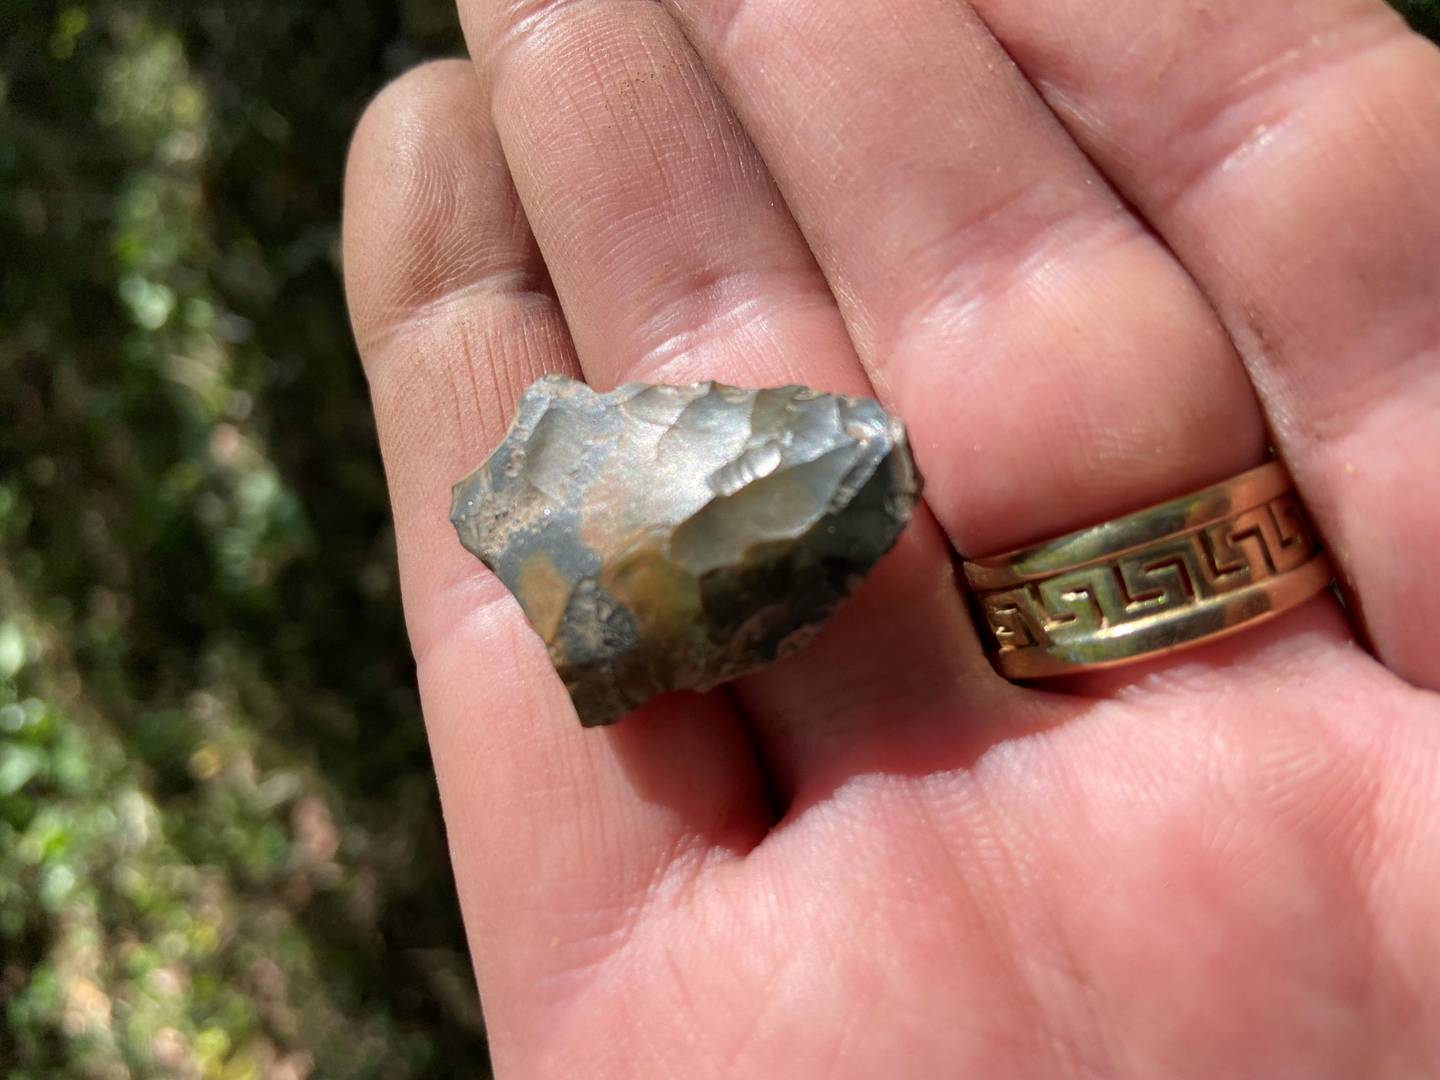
1095, 255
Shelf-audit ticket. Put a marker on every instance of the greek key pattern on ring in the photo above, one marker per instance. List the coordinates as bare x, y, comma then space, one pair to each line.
1169, 576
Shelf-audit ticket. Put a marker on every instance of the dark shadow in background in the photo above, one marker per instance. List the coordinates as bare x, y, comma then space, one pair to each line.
143, 528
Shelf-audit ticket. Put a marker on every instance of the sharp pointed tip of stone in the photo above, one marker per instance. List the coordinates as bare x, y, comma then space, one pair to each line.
457, 493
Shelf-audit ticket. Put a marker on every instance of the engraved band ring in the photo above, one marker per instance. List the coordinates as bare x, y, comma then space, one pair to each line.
1170, 576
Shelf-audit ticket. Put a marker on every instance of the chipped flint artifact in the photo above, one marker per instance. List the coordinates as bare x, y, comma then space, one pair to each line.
673, 537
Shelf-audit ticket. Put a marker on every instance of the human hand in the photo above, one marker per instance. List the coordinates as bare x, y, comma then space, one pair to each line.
1082, 281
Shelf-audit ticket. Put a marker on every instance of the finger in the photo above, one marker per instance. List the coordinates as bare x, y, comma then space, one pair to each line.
1056, 366
672, 254
676, 260
1289, 153
557, 834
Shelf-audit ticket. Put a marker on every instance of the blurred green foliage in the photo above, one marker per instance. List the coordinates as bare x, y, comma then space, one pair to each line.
220, 849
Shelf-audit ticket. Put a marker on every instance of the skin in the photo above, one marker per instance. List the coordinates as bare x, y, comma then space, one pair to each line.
1096, 255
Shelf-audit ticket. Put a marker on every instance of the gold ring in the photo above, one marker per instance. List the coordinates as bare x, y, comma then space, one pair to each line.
1174, 575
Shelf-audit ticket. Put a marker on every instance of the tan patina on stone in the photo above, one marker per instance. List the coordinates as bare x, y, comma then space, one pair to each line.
674, 537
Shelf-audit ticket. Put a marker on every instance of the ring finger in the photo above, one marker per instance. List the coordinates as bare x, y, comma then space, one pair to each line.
1056, 364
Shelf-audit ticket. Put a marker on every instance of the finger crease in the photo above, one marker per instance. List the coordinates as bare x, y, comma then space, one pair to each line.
1248, 116
1008, 245
507, 285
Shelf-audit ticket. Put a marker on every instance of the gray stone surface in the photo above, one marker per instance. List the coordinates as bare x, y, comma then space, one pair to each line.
675, 537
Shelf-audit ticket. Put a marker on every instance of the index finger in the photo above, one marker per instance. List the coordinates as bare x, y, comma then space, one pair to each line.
558, 835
